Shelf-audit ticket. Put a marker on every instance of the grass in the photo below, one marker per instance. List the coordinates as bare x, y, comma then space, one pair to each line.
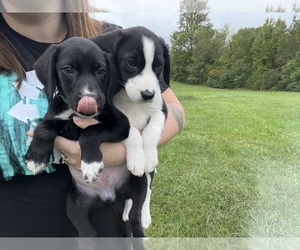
234, 170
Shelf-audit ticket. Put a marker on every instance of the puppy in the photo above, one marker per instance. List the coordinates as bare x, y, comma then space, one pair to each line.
81, 72
142, 59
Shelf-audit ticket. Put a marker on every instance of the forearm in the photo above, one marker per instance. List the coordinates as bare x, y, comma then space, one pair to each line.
175, 121
114, 154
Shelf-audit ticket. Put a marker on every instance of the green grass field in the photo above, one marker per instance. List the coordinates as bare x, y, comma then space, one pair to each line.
234, 171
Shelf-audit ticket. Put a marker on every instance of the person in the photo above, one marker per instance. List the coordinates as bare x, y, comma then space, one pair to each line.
35, 205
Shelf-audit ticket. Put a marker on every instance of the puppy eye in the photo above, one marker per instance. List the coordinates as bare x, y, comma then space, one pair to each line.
68, 70
100, 71
132, 63
158, 67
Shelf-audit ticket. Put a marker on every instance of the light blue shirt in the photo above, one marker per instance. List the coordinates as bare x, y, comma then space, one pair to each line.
20, 110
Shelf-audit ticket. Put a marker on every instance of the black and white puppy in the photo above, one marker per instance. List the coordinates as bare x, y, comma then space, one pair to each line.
143, 60
83, 75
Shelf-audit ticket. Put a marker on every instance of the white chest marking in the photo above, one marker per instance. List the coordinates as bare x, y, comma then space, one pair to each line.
65, 115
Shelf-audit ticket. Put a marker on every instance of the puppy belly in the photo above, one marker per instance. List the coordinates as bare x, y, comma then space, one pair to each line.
111, 179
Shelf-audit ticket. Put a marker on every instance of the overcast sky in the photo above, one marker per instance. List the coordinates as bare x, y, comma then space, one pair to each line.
162, 16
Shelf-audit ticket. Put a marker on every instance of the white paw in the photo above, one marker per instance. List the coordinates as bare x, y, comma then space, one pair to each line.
146, 217
127, 208
151, 159
136, 163
91, 171
35, 167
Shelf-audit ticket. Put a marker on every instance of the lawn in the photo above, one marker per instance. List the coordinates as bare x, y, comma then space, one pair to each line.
234, 169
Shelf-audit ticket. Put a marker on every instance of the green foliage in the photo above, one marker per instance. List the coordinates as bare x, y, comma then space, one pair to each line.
209, 47
261, 58
290, 79
235, 64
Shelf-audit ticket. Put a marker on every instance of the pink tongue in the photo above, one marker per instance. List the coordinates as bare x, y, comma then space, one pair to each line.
87, 105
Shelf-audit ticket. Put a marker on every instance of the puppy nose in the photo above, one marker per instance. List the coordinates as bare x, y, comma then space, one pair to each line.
147, 95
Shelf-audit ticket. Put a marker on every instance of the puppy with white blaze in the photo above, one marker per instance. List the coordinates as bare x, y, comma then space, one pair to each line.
141, 57
143, 61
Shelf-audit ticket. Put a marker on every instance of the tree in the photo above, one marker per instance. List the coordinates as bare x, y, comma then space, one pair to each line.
266, 49
193, 16
290, 79
234, 67
209, 47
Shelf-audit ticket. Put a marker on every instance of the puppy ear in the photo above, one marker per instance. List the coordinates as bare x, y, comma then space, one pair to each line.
45, 70
109, 42
113, 85
167, 66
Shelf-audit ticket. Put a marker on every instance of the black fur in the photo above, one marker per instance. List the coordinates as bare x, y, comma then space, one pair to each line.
68, 67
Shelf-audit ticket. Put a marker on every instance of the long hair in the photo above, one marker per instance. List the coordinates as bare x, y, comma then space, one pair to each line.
78, 23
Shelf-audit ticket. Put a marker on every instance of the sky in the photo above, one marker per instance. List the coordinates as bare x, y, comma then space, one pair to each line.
162, 16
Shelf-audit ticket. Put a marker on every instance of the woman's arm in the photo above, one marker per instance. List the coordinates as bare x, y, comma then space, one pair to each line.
114, 153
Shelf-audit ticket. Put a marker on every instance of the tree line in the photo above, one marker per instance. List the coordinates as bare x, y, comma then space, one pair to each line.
263, 58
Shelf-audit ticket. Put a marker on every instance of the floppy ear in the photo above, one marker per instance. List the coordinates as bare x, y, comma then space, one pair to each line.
113, 85
167, 66
109, 41
45, 70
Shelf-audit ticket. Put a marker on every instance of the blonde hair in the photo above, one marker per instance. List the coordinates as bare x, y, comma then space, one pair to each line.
78, 23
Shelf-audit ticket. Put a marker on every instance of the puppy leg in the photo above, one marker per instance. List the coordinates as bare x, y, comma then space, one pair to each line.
134, 152
114, 127
151, 136
146, 215
127, 208
91, 156
78, 205
138, 188
41, 146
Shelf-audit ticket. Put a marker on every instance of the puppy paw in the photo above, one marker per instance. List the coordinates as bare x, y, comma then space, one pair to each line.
151, 159
35, 167
127, 208
136, 163
91, 171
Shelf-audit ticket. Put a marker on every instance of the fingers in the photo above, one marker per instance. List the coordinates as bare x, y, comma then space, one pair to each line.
84, 122
70, 149
30, 133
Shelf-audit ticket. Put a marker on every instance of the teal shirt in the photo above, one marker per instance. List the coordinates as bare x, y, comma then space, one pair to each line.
20, 111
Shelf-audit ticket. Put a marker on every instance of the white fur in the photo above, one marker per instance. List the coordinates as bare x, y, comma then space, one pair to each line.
65, 115
127, 208
86, 91
92, 170
146, 215
35, 167
135, 153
